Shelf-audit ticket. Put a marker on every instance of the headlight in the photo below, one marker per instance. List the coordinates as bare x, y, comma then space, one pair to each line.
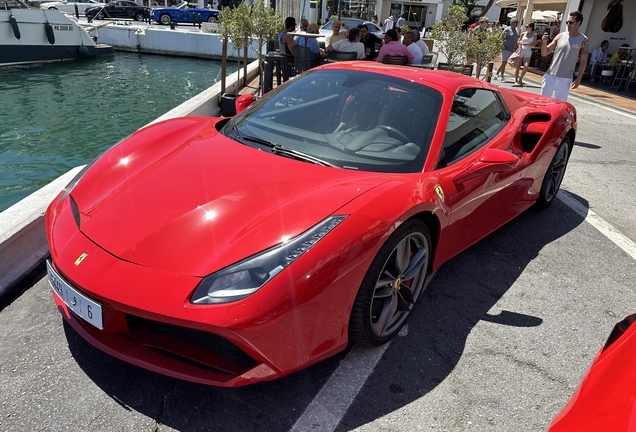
244, 278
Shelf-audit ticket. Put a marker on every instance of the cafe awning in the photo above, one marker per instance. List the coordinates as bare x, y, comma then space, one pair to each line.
554, 5
548, 15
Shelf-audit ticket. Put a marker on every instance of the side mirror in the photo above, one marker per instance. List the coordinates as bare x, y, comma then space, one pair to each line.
243, 102
491, 161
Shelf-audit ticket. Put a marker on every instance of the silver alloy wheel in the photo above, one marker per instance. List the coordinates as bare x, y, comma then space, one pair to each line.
165, 19
399, 285
556, 172
211, 19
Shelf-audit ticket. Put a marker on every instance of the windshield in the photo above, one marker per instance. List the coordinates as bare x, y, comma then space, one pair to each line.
348, 119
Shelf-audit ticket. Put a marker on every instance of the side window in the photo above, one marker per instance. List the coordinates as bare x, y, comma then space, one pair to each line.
476, 116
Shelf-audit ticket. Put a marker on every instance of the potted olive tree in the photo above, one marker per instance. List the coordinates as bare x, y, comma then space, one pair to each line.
452, 40
483, 49
265, 24
235, 26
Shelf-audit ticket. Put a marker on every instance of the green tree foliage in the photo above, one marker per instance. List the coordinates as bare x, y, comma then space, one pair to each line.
245, 25
265, 24
235, 26
469, 5
452, 40
485, 47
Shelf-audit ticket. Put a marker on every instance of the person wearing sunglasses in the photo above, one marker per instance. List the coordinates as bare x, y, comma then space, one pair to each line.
569, 47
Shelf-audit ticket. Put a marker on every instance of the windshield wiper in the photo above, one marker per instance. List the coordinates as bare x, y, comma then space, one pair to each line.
234, 131
295, 154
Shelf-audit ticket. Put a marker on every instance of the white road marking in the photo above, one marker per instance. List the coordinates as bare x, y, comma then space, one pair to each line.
325, 412
599, 223
595, 103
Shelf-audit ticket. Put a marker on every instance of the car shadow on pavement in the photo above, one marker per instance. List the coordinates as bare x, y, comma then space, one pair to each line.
460, 295
587, 145
273, 406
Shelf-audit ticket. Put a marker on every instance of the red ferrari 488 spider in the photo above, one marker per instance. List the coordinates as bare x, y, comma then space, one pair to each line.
229, 251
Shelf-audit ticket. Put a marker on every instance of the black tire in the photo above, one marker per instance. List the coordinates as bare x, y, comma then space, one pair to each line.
140, 16
212, 19
554, 174
392, 285
165, 19
99, 16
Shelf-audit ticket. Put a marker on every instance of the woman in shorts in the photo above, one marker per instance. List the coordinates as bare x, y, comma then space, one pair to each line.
527, 39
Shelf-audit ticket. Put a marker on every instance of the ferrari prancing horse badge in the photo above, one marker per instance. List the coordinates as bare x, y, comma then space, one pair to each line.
440, 192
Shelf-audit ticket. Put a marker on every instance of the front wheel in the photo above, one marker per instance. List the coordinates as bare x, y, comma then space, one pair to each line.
140, 16
99, 16
212, 19
165, 19
392, 285
554, 175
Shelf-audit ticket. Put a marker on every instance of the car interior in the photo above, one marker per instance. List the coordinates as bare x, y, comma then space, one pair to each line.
375, 122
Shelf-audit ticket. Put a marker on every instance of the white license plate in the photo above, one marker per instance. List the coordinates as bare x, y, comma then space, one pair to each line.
86, 308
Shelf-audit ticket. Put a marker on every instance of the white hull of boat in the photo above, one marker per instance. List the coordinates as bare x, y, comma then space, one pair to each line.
33, 36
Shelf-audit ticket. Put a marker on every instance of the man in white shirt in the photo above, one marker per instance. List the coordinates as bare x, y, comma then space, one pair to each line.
388, 23
415, 50
352, 44
420, 43
599, 55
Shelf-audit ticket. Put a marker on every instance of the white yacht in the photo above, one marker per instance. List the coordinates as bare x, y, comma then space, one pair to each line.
34, 36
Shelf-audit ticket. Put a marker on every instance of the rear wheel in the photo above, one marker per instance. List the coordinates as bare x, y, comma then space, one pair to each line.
212, 19
140, 16
554, 175
99, 16
392, 285
165, 19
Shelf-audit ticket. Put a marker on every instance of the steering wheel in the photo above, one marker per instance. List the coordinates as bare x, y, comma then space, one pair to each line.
391, 131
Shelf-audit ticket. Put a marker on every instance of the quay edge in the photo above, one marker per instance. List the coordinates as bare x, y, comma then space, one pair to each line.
23, 244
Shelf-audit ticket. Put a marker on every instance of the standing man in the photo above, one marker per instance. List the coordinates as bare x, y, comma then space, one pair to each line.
480, 33
511, 37
415, 50
369, 40
568, 47
388, 23
401, 21
392, 47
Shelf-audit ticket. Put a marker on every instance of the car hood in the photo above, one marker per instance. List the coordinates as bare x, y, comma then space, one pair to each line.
181, 197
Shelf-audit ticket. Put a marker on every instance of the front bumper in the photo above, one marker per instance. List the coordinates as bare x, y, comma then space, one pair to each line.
297, 319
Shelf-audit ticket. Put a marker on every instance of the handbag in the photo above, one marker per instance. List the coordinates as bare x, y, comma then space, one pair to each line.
514, 57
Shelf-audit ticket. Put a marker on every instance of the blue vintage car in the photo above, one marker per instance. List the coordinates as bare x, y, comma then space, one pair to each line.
184, 13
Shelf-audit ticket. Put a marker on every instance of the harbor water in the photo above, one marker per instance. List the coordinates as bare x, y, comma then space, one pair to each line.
56, 116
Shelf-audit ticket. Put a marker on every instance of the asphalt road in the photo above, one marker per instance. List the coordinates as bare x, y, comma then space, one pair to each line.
500, 339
